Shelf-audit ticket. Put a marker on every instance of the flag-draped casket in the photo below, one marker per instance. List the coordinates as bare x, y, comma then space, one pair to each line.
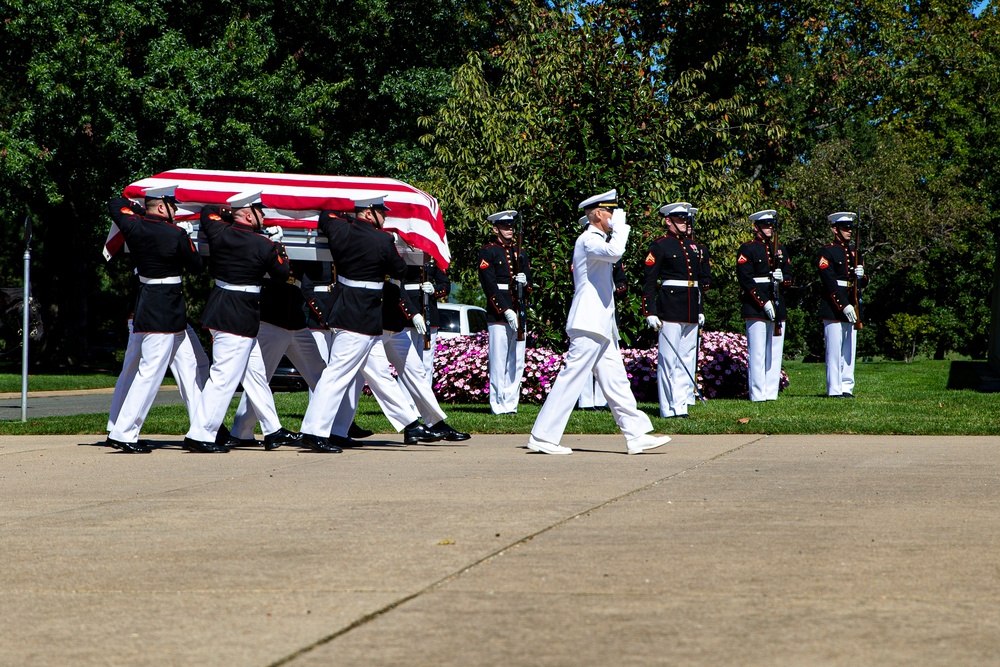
294, 201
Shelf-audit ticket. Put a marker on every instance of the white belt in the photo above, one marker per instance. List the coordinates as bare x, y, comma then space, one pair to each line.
762, 279
841, 283
413, 286
169, 280
680, 283
362, 284
252, 289
503, 287
323, 288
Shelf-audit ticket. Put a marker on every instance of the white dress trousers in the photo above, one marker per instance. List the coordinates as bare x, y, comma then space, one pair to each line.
348, 354
156, 351
426, 356
592, 396
506, 355
188, 355
764, 351
275, 342
387, 390
673, 381
235, 359
841, 345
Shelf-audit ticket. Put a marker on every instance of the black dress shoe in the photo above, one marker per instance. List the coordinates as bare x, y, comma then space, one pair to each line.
280, 437
319, 444
199, 447
448, 433
343, 441
222, 436
835, 396
128, 447
232, 442
357, 432
847, 394
417, 432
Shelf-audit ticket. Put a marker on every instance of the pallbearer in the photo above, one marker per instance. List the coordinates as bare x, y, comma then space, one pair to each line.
162, 251
593, 337
843, 276
762, 267
241, 256
501, 269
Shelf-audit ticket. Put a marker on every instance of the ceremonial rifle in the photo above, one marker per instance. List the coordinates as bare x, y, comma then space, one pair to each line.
853, 277
521, 309
775, 285
425, 301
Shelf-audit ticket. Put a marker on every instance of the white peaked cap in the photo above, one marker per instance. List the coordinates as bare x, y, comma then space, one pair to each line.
692, 211
160, 191
607, 199
583, 220
763, 216
377, 202
844, 217
678, 208
244, 199
502, 216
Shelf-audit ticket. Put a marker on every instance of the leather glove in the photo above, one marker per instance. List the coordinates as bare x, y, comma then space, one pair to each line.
274, 233
521, 279
427, 287
778, 275
511, 318
617, 217
850, 313
701, 319
769, 310
859, 271
419, 324
654, 322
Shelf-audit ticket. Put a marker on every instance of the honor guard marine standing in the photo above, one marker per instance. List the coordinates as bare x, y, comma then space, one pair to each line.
671, 302
162, 251
428, 283
762, 269
593, 337
363, 255
842, 274
241, 256
501, 269
690, 354
283, 332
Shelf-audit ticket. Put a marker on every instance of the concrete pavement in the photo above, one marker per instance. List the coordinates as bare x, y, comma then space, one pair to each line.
748, 550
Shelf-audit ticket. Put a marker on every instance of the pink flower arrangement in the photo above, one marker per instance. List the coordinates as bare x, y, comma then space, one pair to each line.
461, 369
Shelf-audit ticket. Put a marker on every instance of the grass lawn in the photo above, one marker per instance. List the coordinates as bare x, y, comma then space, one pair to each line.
892, 398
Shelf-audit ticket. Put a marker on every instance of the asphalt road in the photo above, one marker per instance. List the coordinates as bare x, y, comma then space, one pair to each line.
63, 403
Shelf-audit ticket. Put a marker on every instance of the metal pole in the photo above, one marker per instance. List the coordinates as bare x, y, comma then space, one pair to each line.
26, 308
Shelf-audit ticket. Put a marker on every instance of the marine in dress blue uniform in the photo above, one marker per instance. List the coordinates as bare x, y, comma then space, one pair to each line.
671, 303
839, 269
241, 257
593, 337
762, 305
162, 252
501, 268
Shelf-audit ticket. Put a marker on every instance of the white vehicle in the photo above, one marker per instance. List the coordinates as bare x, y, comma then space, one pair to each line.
459, 319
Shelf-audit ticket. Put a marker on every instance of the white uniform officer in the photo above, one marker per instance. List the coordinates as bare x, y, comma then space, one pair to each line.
762, 268
241, 257
501, 269
162, 251
593, 337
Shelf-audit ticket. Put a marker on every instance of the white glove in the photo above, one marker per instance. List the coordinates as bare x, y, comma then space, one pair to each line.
859, 271
769, 310
419, 324
617, 217
427, 287
521, 279
701, 319
654, 322
778, 275
850, 313
186, 226
274, 233
511, 318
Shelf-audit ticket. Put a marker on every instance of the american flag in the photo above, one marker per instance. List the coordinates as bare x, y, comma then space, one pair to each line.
294, 201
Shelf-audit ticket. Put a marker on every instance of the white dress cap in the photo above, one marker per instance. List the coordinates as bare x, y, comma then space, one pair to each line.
245, 199
763, 216
371, 202
160, 191
607, 199
842, 219
692, 211
502, 216
583, 220
677, 208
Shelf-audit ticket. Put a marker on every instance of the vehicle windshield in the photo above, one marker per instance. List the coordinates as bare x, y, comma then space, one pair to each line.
451, 320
